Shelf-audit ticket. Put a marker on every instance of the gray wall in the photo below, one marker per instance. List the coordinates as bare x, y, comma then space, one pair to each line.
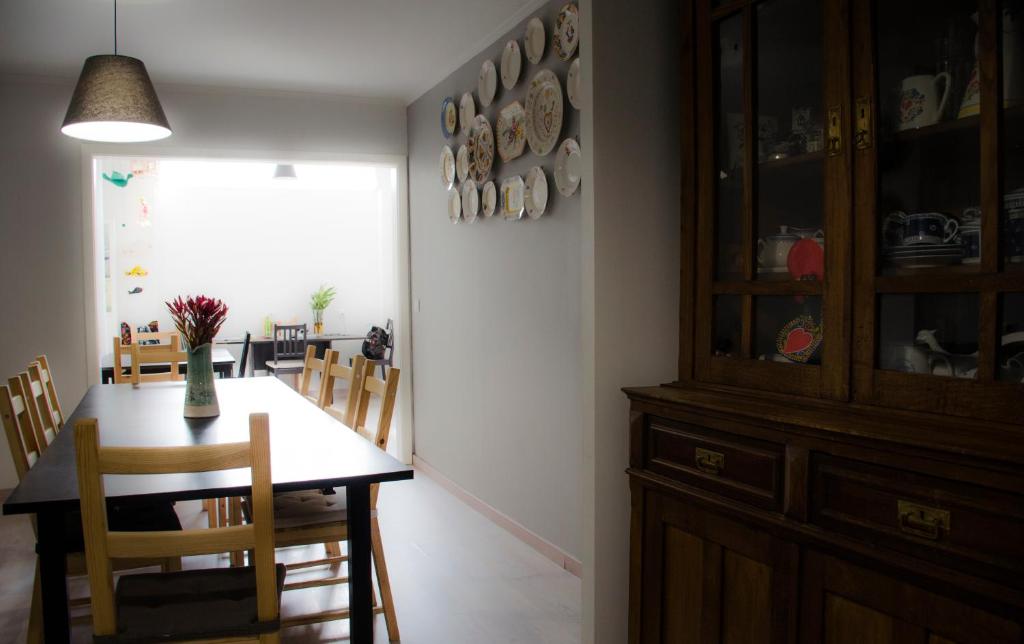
41, 197
631, 285
496, 322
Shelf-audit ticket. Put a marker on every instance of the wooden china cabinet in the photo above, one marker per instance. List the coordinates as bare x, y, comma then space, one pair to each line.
842, 457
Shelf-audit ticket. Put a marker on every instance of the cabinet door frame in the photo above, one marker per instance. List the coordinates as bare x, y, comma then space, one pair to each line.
983, 397
831, 378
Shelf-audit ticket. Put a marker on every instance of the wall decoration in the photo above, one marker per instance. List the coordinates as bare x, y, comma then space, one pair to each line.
489, 199
487, 83
470, 201
143, 218
544, 112
574, 85
136, 271
467, 112
482, 149
117, 178
135, 291
567, 31
454, 205
511, 131
449, 117
144, 168
126, 334
447, 167
512, 195
568, 167
511, 64
799, 339
536, 196
534, 40
462, 163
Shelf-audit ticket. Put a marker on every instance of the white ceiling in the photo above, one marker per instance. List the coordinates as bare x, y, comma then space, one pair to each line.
393, 49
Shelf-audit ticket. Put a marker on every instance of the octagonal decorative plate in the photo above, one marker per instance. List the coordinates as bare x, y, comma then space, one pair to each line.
544, 112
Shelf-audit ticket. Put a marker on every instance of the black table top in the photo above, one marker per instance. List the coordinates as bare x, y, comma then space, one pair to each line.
308, 448
218, 356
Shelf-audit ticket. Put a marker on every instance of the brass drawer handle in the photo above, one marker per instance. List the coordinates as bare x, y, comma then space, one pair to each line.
708, 461
922, 521
863, 133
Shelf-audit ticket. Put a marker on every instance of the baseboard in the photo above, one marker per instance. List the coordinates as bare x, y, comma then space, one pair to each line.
516, 529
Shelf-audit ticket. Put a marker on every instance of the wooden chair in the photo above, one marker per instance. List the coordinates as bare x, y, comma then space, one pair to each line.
353, 375
143, 355
290, 344
120, 377
311, 517
48, 417
214, 605
243, 360
27, 413
310, 365
162, 337
46, 374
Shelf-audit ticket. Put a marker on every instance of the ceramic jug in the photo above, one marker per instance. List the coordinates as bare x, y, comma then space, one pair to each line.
921, 103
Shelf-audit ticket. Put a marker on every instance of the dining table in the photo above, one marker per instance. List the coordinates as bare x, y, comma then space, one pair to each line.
309, 450
223, 365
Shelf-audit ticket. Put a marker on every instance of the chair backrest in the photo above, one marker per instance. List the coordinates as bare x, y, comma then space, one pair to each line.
101, 545
143, 355
22, 438
51, 390
121, 349
36, 389
21, 385
387, 391
310, 365
354, 376
289, 341
243, 361
161, 337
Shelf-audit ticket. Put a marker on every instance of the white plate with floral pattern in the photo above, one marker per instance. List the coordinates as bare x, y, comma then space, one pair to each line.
512, 196
447, 167
487, 83
511, 64
489, 198
470, 201
454, 205
449, 117
511, 131
482, 149
568, 167
462, 163
467, 112
544, 112
567, 31
574, 85
533, 41
536, 195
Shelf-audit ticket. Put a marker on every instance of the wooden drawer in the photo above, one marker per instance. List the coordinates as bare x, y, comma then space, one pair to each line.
745, 469
976, 529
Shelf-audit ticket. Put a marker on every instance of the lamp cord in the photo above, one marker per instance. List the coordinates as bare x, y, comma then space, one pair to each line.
115, 27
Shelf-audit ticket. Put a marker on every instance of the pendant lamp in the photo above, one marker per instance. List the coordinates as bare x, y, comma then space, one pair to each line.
285, 171
114, 101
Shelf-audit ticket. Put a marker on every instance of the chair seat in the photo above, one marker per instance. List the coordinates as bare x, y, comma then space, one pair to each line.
190, 605
309, 507
285, 366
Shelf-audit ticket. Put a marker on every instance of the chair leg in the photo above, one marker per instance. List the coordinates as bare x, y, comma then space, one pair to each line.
333, 549
211, 514
295, 381
35, 616
377, 546
171, 564
235, 518
270, 638
222, 512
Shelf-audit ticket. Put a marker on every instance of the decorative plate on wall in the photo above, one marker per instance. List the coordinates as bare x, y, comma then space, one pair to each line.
462, 163
544, 111
470, 201
511, 64
568, 162
536, 196
449, 117
487, 83
467, 112
567, 31
534, 39
512, 194
447, 167
511, 132
574, 84
454, 206
489, 198
482, 148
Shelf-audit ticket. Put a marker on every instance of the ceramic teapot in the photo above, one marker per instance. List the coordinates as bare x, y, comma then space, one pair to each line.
773, 250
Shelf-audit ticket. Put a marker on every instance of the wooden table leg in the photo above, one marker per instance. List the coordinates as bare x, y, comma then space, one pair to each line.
360, 584
53, 577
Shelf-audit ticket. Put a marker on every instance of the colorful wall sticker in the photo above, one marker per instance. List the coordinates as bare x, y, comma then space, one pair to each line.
135, 291
137, 271
144, 219
117, 178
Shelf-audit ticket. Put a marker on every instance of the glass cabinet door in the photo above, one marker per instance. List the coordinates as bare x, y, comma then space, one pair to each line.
939, 163
770, 124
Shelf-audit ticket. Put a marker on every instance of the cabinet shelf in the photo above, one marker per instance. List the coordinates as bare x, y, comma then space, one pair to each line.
795, 160
941, 128
767, 287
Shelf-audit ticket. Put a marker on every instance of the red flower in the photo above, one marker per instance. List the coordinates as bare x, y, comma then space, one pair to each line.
198, 319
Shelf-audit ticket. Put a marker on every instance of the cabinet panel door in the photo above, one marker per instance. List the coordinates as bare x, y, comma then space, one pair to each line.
847, 604
707, 579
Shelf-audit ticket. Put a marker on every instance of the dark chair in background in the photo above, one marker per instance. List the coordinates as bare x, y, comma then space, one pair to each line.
243, 361
389, 352
289, 351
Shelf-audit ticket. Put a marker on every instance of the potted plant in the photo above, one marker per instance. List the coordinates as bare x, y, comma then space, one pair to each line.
198, 320
319, 301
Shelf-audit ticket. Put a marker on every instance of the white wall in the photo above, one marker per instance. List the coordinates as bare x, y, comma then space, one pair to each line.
496, 340
631, 268
41, 192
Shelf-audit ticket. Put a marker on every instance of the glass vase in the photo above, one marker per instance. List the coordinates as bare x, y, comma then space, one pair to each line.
200, 393
318, 321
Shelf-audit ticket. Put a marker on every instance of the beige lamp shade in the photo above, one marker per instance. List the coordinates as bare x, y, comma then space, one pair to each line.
115, 102
285, 171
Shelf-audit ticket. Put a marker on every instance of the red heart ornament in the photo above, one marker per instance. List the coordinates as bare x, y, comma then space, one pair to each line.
797, 340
